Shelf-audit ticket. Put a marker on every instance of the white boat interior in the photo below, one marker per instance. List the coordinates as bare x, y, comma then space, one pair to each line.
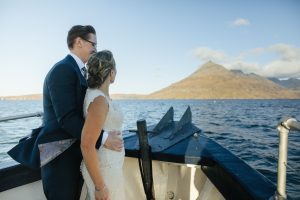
171, 181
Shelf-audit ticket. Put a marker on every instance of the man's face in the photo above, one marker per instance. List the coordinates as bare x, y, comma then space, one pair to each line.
89, 46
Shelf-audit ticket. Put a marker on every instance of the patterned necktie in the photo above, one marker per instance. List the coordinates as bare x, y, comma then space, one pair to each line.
84, 72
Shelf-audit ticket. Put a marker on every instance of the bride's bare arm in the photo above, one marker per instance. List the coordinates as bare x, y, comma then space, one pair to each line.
93, 125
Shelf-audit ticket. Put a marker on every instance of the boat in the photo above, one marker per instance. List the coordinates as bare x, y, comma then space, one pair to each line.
171, 160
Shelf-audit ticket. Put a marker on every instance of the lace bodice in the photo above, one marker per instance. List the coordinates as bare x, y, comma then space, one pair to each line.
114, 118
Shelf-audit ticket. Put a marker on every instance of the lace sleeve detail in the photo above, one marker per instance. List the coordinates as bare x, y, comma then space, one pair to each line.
90, 96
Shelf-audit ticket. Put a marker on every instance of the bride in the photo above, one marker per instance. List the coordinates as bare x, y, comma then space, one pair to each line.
101, 169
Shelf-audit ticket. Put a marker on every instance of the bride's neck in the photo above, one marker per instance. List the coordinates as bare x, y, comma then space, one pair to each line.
105, 88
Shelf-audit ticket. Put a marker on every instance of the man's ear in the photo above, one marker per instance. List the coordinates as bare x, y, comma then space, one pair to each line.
78, 42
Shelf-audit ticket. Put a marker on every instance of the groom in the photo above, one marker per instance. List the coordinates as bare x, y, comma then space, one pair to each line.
55, 147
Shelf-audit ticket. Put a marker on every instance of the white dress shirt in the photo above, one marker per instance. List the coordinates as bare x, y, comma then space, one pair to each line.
78, 61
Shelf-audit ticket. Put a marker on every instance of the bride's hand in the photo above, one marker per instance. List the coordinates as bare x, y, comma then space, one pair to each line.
102, 194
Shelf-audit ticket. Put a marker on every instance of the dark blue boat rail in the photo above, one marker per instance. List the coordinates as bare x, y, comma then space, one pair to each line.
14, 175
232, 176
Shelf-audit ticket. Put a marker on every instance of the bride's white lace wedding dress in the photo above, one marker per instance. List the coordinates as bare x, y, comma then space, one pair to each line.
111, 162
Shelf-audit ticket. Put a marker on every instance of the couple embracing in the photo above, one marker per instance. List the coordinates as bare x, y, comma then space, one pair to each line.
80, 139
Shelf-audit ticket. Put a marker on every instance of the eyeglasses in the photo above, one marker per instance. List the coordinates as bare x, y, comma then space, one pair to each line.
92, 43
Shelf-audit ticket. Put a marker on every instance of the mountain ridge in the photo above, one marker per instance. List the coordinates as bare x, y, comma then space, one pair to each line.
213, 81
291, 83
210, 81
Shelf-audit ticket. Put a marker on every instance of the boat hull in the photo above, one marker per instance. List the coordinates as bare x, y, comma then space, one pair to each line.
194, 168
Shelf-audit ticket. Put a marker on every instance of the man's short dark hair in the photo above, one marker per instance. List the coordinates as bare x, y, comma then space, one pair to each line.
79, 31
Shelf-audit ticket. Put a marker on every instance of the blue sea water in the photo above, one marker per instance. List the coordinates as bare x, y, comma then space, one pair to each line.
246, 127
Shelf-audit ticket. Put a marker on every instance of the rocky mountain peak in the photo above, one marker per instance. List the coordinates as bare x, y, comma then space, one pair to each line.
210, 68
213, 81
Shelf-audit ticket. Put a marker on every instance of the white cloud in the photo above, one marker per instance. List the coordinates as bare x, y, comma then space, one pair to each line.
205, 54
282, 69
286, 52
286, 65
241, 22
286, 62
257, 51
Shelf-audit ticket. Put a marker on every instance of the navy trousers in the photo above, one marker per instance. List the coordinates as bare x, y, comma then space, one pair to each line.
62, 179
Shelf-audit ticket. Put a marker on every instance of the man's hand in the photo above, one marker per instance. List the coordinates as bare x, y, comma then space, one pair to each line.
114, 141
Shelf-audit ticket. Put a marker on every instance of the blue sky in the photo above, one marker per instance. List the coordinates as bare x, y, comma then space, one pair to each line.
155, 43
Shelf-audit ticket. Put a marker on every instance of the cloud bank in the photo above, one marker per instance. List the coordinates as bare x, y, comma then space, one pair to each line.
283, 60
241, 22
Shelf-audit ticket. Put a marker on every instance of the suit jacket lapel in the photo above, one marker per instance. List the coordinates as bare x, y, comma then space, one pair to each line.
76, 67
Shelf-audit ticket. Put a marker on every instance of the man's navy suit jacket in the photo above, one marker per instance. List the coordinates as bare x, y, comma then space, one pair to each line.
63, 96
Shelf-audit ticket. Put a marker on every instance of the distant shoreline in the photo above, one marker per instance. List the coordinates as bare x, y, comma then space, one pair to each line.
38, 97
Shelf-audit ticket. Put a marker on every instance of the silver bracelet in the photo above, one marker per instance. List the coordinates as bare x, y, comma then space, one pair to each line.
98, 190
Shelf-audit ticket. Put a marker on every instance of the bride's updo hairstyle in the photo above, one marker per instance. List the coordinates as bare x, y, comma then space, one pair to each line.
99, 67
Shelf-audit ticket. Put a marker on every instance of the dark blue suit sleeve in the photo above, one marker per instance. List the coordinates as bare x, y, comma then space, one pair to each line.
63, 89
